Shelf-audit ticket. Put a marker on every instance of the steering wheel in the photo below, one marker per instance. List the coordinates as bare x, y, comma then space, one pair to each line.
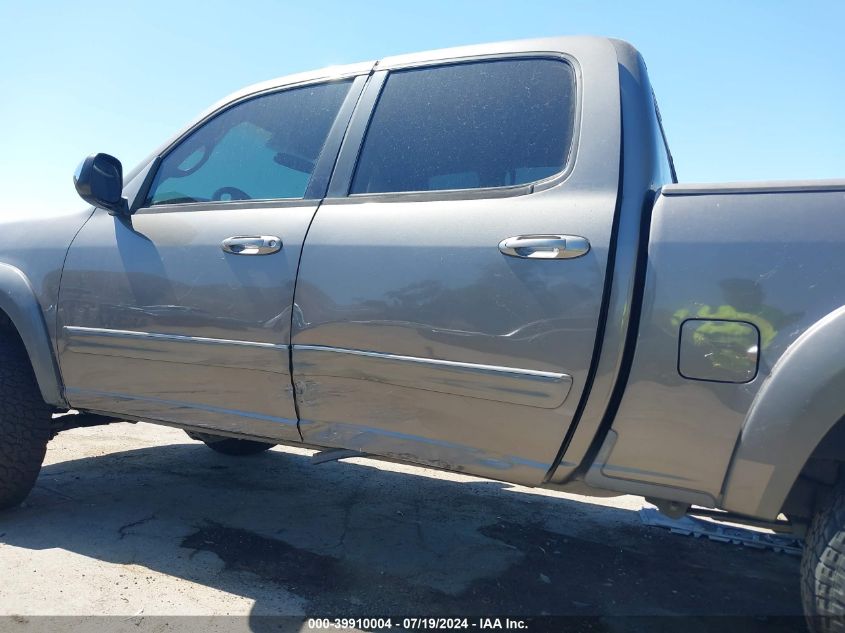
233, 192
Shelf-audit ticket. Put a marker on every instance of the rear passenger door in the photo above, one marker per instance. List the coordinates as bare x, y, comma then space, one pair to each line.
451, 283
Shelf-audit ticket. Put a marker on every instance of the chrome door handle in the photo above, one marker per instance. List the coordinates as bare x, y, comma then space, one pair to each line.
252, 245
545, 246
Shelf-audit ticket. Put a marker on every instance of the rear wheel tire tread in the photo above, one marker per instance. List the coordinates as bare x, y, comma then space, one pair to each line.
823, 567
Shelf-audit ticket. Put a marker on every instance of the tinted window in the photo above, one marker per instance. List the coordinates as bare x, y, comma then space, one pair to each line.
261, 149
464, 126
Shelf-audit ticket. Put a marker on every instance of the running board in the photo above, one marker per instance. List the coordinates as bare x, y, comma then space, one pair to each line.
335, 454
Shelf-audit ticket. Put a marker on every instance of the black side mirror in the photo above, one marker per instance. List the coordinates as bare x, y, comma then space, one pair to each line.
99, 181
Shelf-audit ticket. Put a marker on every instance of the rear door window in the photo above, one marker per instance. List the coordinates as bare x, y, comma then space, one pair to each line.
467, 126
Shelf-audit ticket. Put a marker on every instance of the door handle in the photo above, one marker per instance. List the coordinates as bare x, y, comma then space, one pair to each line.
252, 245
545, 246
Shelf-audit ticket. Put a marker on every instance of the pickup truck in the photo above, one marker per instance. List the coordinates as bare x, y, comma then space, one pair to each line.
476, 259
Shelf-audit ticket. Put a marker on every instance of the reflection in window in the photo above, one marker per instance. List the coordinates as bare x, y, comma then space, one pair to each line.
465, 126
262, 149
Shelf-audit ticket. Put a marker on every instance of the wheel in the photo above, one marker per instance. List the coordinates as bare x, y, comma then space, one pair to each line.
230, 445
24, 423
823, 566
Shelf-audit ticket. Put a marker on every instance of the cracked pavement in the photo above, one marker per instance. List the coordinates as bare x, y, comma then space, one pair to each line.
139, 520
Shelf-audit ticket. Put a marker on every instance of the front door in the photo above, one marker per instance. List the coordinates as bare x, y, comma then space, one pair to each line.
182, 312
450, 288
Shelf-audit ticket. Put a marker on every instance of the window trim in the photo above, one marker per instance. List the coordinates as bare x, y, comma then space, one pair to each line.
347, 161
226, 205
317, 182
669, 156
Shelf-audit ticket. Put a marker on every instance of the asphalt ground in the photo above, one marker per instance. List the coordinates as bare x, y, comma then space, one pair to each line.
142, 524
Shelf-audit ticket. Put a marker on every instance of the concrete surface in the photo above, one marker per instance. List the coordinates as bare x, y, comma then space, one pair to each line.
139, 520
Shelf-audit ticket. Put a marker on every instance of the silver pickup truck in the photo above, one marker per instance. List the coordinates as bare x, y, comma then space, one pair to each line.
476, 259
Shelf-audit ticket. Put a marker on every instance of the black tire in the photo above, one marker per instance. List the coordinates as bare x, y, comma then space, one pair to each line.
823, 567
24, 423
230, 445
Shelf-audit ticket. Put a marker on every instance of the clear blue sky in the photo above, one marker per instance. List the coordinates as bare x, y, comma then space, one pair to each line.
748, 90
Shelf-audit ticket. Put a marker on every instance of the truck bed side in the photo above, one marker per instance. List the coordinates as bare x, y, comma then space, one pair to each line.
726, 264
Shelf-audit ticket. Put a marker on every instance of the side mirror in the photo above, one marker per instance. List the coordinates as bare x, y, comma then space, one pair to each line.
99, 181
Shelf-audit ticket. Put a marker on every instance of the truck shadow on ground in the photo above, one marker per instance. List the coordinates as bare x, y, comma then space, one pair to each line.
351, 539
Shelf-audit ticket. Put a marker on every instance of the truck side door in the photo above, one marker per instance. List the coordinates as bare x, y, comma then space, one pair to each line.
182, 311
452, 282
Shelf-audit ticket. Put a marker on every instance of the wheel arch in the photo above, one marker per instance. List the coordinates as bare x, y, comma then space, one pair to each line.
19, 303
792, 414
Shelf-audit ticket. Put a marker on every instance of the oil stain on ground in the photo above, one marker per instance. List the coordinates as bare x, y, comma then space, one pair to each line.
599, 586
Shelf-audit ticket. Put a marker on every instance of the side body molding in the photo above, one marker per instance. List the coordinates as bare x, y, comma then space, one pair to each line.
801, 401
18, 301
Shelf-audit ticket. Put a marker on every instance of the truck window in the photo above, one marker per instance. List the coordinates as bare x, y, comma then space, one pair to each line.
261, 149
470, 125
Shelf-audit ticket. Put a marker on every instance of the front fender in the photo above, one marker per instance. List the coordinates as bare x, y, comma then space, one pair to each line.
798, 404
18, 301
